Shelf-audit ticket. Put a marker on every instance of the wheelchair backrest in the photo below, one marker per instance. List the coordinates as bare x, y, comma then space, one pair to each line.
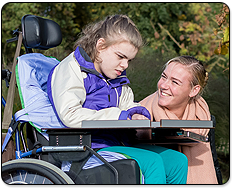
40, 33
32, 72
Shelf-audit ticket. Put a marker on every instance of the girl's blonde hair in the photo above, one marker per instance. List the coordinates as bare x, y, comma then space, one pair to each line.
195, 67
114, 29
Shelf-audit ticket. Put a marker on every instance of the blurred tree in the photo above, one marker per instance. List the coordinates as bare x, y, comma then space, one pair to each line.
221, 58
146, 16
177, 28
174, 28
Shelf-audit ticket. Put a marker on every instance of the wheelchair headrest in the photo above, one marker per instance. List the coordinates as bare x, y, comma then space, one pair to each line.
40, 33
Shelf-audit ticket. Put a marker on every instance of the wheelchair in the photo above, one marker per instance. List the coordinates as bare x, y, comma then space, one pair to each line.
40, 160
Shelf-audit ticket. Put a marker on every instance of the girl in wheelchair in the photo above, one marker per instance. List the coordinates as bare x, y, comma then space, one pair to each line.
91, 84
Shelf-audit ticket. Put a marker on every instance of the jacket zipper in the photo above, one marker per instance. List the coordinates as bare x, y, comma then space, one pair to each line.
117, 94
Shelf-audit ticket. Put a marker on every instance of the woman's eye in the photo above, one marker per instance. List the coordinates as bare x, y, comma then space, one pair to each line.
175, 82
163, 76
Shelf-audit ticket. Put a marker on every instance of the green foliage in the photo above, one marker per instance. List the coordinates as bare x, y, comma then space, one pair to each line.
178, 28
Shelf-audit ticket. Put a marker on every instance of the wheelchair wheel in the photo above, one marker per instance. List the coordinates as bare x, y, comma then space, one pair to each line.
33, 171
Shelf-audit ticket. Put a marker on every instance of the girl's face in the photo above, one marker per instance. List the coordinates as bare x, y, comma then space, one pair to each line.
114, 59
174, 87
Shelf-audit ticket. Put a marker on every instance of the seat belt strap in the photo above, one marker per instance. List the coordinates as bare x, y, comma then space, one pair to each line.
11, 92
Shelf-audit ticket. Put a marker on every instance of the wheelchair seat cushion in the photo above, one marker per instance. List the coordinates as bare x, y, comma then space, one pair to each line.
40, 33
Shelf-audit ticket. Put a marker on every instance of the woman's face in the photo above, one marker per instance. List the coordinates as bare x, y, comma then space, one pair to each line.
114, 59
174, 87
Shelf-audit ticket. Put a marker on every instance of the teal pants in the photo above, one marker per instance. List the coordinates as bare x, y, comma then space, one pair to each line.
159, 165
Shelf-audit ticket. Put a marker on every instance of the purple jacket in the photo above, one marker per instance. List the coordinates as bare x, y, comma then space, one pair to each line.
100, 92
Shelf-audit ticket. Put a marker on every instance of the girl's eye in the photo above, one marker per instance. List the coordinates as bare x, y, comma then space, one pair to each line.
120, 57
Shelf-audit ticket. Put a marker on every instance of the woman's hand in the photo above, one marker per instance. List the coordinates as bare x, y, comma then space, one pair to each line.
138, 117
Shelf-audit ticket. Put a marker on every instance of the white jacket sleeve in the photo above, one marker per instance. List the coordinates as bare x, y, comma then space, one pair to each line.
127, 98
69, 94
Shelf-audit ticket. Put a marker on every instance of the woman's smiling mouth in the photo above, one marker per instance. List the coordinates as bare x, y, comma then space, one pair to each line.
164, 94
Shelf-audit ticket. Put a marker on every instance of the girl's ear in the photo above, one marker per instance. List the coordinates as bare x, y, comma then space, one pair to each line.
100, 44
195, 90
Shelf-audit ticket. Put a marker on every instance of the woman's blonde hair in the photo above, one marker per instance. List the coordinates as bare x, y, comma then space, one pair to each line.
195, 67
114, 29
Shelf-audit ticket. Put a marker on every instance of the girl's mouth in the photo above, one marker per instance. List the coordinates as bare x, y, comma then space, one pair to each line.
118, 72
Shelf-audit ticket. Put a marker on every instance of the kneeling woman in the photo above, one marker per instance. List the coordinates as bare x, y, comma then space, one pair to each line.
178, 97
91, 84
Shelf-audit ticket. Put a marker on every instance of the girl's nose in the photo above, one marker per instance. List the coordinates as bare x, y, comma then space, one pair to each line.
124, 64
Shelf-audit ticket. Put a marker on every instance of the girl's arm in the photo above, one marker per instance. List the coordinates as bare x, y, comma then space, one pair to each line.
127, 98
131, 109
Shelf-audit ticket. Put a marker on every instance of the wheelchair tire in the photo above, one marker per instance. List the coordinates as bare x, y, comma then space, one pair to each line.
33, 171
